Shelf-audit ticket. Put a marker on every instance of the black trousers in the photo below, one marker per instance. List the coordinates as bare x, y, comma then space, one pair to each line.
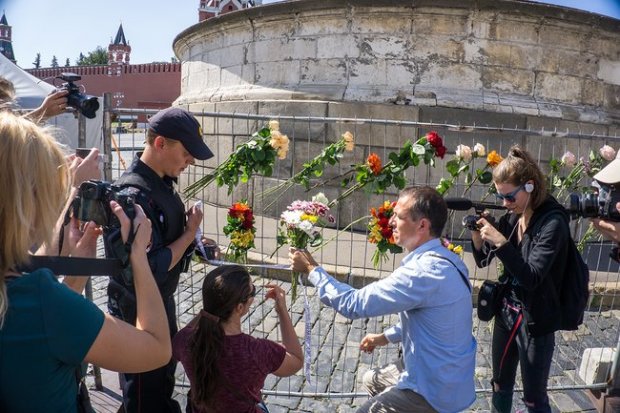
149, 392
533, 353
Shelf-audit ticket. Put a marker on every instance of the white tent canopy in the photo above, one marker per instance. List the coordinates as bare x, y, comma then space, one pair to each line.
30, 93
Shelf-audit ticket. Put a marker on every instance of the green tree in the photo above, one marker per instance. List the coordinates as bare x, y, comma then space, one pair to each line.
67, 64
37, 61
99, 56
54, 61
80, 59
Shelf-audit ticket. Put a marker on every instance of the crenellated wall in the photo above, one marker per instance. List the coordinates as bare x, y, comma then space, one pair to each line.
148, 86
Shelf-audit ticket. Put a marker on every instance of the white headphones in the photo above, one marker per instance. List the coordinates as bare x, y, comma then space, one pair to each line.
529, 188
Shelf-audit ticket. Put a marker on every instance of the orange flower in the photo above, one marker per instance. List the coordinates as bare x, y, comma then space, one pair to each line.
493, 159
374, 163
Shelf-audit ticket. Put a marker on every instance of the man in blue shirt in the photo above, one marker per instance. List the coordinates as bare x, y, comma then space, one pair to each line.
431, 294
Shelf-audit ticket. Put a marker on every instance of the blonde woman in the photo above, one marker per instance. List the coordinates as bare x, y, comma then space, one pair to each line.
47, 329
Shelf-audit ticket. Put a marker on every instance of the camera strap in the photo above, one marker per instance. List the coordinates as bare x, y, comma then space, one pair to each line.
74, 265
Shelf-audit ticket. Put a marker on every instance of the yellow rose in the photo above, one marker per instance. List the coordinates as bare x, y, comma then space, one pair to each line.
348, 141
274, 125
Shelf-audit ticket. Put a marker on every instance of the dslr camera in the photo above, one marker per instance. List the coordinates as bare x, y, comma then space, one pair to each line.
93, 202
86, 104
471, 221
596, 204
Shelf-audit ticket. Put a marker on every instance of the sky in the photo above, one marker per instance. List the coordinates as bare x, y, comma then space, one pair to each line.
67, 27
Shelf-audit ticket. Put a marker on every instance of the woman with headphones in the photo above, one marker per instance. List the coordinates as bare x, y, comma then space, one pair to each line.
531, 241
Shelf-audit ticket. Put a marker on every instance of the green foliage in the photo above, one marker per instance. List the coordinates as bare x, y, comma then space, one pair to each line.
99, 56
37, 61
255, 156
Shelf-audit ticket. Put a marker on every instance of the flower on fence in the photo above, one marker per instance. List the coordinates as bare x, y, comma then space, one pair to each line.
462, 163
278, 141
493, 159
240, 229
479, 150
349, 143
374, 163
375, 178
435, 140
569, 159
608, 153
457, 249
566, 174
255, 156
464, 153
300, 226
380, 233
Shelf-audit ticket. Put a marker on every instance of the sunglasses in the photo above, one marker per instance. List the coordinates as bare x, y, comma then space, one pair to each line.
510, 197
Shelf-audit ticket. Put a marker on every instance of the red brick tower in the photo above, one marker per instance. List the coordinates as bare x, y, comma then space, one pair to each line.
6, 42
119, 49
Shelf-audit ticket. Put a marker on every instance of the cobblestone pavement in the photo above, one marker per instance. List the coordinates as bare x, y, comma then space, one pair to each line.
338, 365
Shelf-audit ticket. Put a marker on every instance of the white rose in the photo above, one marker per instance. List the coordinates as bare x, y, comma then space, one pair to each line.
320, 197
569, 159
306, 226
608, 153
464, 152
479, 149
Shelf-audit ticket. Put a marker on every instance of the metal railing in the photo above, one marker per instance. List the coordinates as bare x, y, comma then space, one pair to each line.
337, 361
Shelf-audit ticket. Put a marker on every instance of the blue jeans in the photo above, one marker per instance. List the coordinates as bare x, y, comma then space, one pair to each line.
534, 354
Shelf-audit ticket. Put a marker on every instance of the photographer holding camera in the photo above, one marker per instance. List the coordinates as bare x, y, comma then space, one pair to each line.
46, 329
174, 140
532, 242
609, 176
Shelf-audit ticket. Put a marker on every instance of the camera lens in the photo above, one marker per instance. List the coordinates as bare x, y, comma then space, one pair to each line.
583, 205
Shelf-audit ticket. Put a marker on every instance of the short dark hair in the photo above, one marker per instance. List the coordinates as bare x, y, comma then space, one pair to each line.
427, 203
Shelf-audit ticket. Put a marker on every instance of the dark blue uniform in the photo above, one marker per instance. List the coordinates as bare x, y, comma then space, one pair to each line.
152, 391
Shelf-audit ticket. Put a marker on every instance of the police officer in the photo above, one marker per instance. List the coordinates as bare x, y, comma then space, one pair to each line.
174, 141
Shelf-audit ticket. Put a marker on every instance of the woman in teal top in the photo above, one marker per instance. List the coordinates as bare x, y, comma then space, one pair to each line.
46, 328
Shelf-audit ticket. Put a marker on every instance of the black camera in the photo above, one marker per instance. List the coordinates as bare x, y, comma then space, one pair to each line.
93, 202
86, 104
601, 204
471, 221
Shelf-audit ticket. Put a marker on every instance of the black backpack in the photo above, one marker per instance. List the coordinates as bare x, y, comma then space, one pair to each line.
573, 294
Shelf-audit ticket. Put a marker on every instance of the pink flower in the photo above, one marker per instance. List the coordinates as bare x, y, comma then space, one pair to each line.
608, 153
569, 159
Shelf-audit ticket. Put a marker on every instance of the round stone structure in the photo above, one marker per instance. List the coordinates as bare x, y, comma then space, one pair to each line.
509, 57
498, 63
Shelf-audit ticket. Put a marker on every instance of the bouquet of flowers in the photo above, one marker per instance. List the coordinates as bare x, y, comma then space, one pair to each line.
256, 155
300, 226
457, 249
380, 233
240, 229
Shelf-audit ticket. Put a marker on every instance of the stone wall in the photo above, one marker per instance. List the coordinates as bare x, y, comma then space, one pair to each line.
497, 56
499, 63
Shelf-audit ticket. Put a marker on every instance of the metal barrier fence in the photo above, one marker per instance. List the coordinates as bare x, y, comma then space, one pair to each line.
337, 364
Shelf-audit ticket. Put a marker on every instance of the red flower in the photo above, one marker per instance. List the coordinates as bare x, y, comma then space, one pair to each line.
386, 232
374, 163
248, 219
434, 139
440, 151
384, 222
